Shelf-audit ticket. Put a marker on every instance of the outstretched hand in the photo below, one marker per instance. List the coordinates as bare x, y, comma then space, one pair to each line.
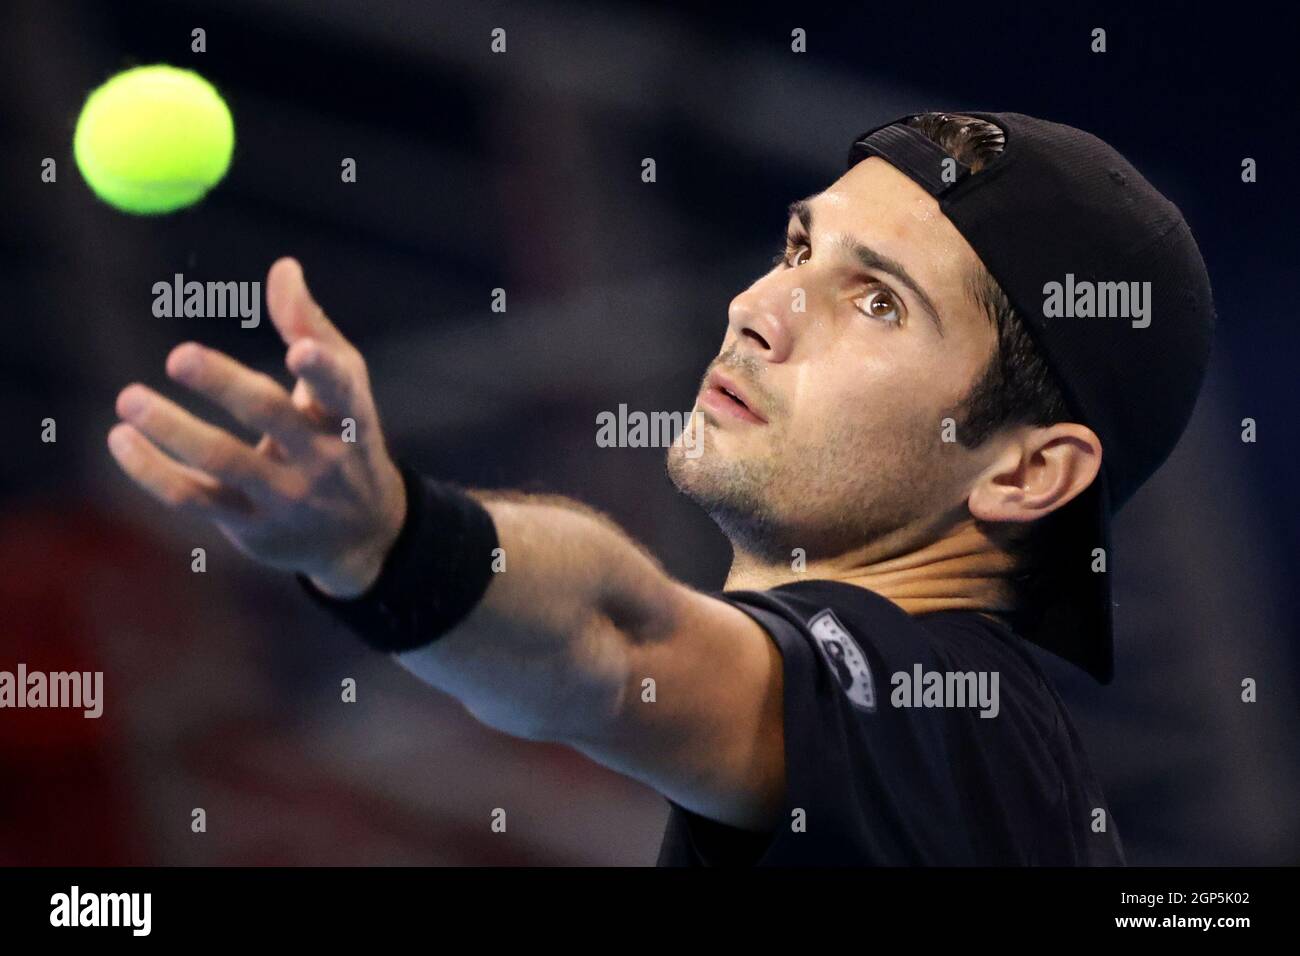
302, 499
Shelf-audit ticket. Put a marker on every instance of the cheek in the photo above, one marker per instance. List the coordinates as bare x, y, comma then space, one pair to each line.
886, 410
864, 416
884, 386
927, 375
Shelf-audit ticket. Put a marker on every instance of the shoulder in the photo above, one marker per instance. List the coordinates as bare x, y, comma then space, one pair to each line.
863, 635
907, 739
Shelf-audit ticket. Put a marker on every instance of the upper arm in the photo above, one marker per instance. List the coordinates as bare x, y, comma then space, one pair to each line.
701, 716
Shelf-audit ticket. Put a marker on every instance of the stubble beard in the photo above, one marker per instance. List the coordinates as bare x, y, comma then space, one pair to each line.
820, 499
734, 493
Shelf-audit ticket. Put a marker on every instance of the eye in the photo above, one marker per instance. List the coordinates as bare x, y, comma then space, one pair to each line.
793, 245
880, 304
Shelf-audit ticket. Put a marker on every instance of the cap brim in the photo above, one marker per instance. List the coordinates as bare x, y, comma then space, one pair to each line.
1076, 621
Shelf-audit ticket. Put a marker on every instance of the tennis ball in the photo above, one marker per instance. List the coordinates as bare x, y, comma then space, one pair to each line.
153, 139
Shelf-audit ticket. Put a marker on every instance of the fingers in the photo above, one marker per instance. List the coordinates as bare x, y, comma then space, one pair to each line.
176, 486
194, 442
256, 401
294, 312
335, 377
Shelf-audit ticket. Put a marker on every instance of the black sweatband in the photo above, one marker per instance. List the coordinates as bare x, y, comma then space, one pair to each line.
436, 572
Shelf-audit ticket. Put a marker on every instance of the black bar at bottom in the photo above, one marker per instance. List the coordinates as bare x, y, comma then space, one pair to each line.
442, 906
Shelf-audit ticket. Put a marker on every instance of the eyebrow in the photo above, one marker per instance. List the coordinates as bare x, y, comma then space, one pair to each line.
869, 258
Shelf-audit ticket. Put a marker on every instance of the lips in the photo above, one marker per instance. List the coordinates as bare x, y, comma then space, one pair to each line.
726, 395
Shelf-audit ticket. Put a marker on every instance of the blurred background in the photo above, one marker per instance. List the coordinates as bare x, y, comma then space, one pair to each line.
522, 171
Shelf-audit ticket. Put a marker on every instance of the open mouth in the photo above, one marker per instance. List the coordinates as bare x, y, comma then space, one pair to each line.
733, 396
724, 397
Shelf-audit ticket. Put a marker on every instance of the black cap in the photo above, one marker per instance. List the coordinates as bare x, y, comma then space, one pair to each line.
1067, 227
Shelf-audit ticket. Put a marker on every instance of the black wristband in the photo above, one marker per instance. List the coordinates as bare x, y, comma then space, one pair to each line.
436, 572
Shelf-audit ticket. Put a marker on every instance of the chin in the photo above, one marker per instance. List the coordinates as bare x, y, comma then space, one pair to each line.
732, 492
681, 470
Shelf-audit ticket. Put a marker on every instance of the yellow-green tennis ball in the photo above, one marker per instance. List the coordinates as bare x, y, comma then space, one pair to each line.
154, 139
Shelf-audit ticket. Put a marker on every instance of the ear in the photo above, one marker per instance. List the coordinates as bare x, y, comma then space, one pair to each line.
1039, 470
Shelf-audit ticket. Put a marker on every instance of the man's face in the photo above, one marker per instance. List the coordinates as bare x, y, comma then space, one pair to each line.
848, 356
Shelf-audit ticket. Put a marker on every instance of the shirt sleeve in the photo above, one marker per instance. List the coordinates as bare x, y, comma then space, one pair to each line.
865, 784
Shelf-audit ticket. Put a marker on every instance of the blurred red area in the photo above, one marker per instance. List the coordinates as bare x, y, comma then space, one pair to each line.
66, 797
221, 692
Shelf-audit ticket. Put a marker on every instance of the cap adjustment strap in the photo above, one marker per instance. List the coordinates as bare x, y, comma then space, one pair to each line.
912, 152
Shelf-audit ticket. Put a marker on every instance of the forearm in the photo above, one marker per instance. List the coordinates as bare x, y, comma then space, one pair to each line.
546, 651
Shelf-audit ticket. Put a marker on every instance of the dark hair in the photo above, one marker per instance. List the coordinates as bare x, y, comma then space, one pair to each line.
1016, 387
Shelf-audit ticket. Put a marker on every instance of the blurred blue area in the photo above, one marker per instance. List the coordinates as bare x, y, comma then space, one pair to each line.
521, 171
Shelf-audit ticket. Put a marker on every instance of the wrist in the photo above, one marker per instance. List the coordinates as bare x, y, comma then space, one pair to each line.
351, 577
430, 578
359, 569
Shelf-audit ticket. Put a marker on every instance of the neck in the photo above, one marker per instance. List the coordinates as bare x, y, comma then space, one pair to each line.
963, 570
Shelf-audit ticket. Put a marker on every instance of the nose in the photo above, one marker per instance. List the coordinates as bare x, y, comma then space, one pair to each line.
761, 318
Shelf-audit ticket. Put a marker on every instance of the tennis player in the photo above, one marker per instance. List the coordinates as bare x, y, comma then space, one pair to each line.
974, 346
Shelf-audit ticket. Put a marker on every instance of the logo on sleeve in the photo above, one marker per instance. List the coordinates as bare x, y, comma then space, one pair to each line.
845, 657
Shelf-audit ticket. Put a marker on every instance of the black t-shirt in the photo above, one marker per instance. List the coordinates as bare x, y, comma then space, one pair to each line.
870, 781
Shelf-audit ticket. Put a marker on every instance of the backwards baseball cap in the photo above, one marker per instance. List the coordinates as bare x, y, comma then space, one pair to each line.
1108, 281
